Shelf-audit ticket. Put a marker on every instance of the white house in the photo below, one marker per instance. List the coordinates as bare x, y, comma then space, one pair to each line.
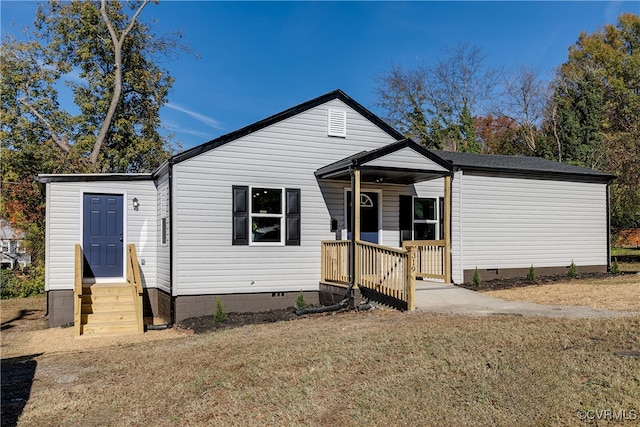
258, 215
13, 251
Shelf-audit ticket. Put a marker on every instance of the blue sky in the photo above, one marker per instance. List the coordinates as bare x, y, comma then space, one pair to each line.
256, 59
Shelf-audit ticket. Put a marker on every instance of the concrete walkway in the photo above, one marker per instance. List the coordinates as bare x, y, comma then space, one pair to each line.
449, 299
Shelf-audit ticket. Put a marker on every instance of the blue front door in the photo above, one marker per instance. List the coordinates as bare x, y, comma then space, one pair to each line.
102, 235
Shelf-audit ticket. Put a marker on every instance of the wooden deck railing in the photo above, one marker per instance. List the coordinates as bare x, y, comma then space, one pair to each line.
387, 271
77, 291
335, 261
135, 280
432, 262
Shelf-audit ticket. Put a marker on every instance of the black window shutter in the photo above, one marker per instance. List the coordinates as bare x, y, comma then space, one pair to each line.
406, 218
240, 215
292, 237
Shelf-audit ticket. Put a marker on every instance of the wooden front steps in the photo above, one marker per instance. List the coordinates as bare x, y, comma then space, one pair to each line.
108, 309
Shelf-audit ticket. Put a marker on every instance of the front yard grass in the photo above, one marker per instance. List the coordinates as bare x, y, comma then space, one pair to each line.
620, 293
368, 368
380, 367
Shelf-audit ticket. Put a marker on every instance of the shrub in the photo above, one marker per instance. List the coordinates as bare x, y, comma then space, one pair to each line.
572, 270
531, 275
301, 304
18, 285
615, 268
220, 315
476, 278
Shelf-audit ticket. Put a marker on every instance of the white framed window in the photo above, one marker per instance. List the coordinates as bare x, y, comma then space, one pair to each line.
5, 246
266, 216
426, 218
20, 247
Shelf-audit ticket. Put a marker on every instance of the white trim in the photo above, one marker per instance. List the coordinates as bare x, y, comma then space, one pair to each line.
47, 234
281, 215
436, 221
345, 204
125, 205
460, 180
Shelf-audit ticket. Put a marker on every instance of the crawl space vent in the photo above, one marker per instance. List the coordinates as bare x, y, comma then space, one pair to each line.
337, 123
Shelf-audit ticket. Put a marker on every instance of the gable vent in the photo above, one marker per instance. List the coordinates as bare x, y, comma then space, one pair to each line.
337, 123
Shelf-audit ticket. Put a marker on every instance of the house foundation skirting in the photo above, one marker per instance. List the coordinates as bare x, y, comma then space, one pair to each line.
156, 307
506, 273
60, 308
205, 305
332, 294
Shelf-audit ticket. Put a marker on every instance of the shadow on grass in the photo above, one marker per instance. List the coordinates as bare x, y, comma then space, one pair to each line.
16, 380
21, 315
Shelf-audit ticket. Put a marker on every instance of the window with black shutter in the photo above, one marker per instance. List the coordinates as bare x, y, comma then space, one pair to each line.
240, 215
266, 216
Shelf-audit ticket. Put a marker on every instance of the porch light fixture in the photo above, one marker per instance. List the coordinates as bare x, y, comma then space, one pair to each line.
379, 179
136, 204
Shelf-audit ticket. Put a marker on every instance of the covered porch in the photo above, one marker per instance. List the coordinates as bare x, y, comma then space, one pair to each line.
383, 272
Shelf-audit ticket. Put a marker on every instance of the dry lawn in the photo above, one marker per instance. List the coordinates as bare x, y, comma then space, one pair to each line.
372, 368
375, 368
620, 293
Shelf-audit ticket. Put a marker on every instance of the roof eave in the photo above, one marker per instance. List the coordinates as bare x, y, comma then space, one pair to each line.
47, 178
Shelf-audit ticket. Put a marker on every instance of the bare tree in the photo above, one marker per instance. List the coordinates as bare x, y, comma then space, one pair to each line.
523, 100
437, 103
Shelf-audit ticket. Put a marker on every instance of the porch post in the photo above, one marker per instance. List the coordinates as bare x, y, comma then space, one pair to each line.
354, 263
447, 229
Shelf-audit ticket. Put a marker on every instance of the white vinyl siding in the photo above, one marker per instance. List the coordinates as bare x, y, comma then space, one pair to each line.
516, 222
406, 158
456, 227
64, 219
283, 155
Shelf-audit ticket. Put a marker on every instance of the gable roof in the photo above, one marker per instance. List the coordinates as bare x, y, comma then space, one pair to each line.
519, 164
415, 164
336, 94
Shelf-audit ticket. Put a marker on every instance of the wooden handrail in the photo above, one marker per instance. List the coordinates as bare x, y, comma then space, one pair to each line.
415, 243
430, 258
335, 261
134, 279
133, 268
77, 290
386, 270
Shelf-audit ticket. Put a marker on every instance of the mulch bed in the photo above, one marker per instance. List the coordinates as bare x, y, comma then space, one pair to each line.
521, 282
235, 320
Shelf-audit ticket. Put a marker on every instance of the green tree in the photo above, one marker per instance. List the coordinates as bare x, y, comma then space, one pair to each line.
108, 58
593, 118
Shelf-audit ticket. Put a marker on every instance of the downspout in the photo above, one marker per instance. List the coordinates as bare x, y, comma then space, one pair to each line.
352, 246
171, 243
348, 295
46, 233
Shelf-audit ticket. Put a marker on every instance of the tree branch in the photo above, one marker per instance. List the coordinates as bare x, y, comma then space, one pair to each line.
60, 142
117, 81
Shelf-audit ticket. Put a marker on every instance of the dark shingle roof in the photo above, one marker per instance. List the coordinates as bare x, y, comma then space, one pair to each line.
517, 164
